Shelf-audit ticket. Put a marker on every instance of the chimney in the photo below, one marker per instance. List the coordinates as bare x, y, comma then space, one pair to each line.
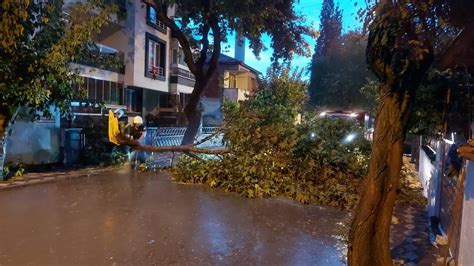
239, 47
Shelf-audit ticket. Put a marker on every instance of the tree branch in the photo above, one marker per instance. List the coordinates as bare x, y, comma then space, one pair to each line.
218, 131
178, 34
216, 31
205, 45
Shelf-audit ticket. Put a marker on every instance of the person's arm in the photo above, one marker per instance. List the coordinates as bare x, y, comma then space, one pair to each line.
126, 130
142, 135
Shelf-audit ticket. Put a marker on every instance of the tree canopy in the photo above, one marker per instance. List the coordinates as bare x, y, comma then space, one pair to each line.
196, 23
338, 77
330, 29
195, 20
38, 42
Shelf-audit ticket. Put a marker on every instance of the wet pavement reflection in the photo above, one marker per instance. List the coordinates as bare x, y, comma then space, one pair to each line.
125, 218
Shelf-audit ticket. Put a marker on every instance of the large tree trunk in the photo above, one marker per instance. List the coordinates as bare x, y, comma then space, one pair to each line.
400, 58
193, 112
369, 240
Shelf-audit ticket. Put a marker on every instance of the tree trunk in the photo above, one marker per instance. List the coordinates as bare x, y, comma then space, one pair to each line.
194, 122
193, 112
369, 239
7, 117
3, 144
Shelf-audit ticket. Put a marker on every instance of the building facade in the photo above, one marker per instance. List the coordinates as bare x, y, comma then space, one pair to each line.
153, 82
233, 80
154, 77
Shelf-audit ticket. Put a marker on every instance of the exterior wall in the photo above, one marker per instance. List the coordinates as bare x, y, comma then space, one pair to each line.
122, 40
34, 142
212, 114
131, 40
244, 85
466, 248
140, 30
180, 84
231, 94
213, 89
429, 177
92, 72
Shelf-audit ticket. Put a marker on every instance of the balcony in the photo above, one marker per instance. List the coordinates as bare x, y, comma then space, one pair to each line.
156, 71
103, 57
176, 71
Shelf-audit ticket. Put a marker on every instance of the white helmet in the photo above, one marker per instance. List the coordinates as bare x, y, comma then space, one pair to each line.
138, 120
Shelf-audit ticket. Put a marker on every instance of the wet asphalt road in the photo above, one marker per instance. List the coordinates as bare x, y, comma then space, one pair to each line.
126, 218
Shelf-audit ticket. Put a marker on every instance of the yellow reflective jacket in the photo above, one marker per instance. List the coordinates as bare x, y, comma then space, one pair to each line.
114, 130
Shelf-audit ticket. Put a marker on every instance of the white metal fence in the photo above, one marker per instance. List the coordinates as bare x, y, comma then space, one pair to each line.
173, 136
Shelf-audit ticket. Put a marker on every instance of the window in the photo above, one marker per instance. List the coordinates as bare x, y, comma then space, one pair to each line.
178, 56
108, 92
153, 21
114, 93
91, 88
183, 99
131, 100
99, 88
155, 58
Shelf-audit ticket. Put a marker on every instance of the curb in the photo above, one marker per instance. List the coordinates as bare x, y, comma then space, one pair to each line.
39, 178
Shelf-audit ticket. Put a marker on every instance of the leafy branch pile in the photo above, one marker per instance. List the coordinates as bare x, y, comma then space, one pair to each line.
270, 154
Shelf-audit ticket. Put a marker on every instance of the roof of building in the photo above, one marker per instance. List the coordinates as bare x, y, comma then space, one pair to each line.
460, 53
227, 60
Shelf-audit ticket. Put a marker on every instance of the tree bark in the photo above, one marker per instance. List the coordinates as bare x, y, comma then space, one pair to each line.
400, 58
6, 119
3, 144
202, 74
193, 113
370, 232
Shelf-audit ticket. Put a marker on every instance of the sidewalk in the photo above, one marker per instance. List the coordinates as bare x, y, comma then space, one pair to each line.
42, 177
160, 160
410, 237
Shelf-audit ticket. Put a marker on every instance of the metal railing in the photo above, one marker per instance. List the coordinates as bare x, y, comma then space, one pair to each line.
173, 136
183, 73
160, 24
156, 70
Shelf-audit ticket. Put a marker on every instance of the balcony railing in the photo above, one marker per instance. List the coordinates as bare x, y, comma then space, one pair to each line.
104, 58
183, 73
156, 71
160, 24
